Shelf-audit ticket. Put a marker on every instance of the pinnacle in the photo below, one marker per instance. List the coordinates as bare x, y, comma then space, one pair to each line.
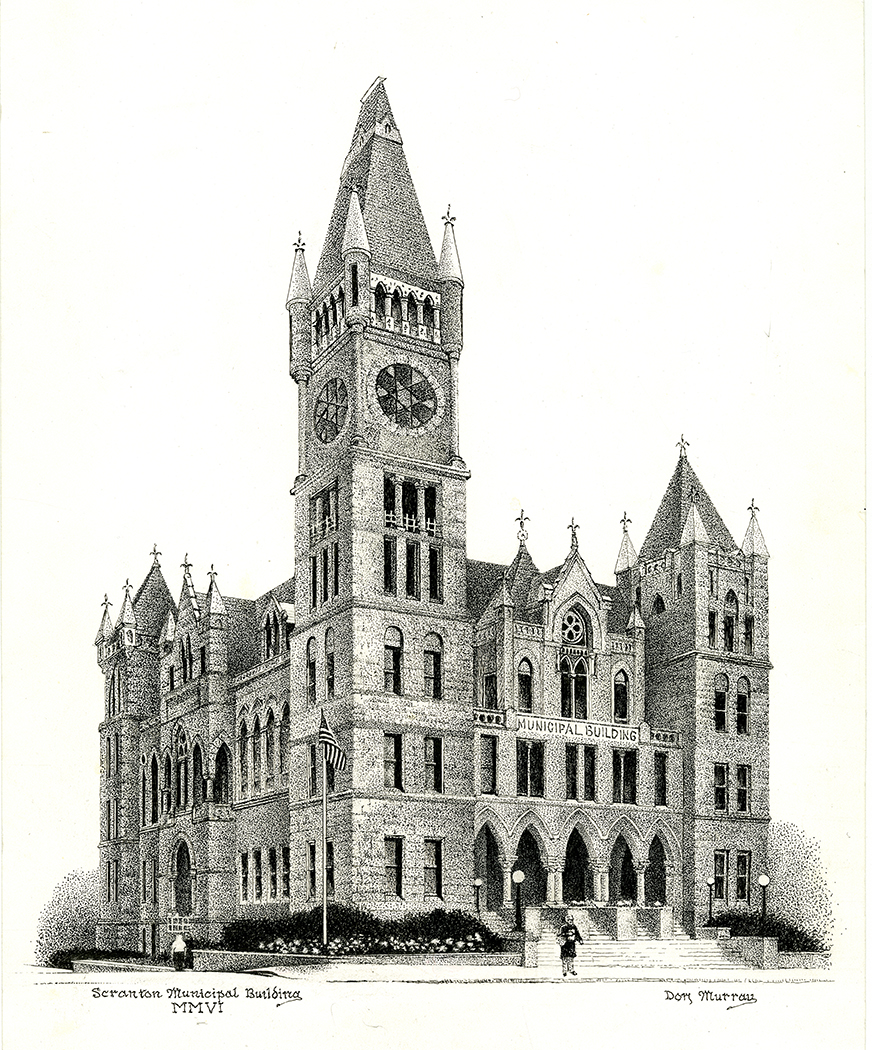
449, 260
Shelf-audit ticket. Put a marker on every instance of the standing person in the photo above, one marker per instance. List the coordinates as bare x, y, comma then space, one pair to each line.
178, 951
569, 937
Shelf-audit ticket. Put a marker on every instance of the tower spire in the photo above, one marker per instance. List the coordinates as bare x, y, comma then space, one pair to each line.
627, 557
449, 260
355, 238
299, 289
753, 543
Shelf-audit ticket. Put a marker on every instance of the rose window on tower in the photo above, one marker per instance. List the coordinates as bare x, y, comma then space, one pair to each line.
573, 628
331, 410
405, 396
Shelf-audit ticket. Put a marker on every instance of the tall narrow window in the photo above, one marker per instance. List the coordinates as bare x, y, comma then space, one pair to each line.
393, 661
143, 800
432, 868
255, 756
490, 692
743, 871
222, 786
313, 770
433, 667
311, 679
155, 880
330, 663
202, 659
433, 763
143, 886
325, 574
624, 777
172, 682
355, 288
243, 876
108, 755
198, 783
314, 583
731, 613
748, 637
380, 301
573, 689
155, 792
390, 565
393, 760
531, 768
286, 871
659, 778
413, 569
742, 692
434, 564
429, 313
394, 866
622, 707
572, 771
390, 502
335, 561
258, 875
285, 740
412, 312
270, 748
525, 686
430, 509
721, 686
273, 874
488, 752
743, 789
243, 760
396, 307
589, 773
720, 787
410, 506
720, 873
182, 772
310, 870
712, 629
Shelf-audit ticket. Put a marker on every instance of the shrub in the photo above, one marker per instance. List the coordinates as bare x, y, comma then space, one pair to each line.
69, 919
791, 938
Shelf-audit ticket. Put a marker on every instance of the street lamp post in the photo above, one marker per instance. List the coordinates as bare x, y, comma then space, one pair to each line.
478, 884
763, 882
711, 885
518, 878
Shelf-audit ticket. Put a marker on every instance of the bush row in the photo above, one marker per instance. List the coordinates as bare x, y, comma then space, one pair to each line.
790, 938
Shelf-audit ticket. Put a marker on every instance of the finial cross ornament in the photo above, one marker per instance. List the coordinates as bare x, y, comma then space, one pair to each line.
448, 218
106, 603
683, 445
574, 528
212, 573
128, 587
299, 243
186, 565
625, 521
753, 508
155, 553
523, 535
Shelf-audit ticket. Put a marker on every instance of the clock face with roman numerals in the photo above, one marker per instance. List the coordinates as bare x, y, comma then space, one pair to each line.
331, 410
405, 396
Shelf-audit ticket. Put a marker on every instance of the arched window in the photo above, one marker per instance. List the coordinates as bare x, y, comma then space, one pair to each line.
429, 315
639, 597
396, 306
731, 615
284, 739
270, 744
433, 667
168, 782
182, 772
722, 687
393, 664
573, 628
333, 311
108, 755
340, 303
221, 785
678, 586
317, 327
199, 782
622, 706
144, 814
381, 299
183, 894
659, 605
155, 789
311, 682
325, 318
743, 691
330, 663
573, 689
412, 310
525, 686
255, 756
243, 760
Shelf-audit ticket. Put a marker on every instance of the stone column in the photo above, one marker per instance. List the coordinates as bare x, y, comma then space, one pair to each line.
210, 789
600, 882
356, 325
508, 887
549, 888
558, 886
454, 431
640, 883
303, 377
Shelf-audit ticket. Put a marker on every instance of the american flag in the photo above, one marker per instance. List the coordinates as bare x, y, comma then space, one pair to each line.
332, 751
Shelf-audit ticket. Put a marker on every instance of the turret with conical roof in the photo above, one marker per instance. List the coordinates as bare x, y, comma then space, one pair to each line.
300, 326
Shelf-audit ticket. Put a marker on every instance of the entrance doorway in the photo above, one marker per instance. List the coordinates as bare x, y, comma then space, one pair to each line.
183, 880
655, 874
489, 869
577, 872
530, 862
622, 873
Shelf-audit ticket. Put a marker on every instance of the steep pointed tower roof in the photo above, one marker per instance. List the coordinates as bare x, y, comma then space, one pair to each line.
668, 525
188, 588
299, 289
753, 542
627, 556
376, 167
694, 530
214, 601
449, 260
355, 238
151, 601
127, 617
106, 630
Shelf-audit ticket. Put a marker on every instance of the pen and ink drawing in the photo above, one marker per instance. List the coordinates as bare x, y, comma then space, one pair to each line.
404, 730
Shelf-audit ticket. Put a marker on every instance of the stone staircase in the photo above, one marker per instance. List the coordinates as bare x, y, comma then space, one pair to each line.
680, 952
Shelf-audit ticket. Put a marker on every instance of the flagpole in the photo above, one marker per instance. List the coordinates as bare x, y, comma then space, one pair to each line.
323, 842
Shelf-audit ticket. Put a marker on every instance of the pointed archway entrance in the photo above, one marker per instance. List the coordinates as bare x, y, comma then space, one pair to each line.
489, 868
577, 872
622, 873
655, 874
184, 896
530, 862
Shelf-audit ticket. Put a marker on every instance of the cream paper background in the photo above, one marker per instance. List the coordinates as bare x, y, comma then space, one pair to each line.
660, 211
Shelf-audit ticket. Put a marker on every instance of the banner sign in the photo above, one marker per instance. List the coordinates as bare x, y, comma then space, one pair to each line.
589, 731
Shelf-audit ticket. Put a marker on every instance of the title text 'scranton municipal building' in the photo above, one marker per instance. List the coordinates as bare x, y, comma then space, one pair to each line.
610, 740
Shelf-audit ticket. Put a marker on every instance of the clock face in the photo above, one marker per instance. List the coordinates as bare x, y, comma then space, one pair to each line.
405, 396
331, 410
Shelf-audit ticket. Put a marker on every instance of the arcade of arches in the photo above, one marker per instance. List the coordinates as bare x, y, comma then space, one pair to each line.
621, 877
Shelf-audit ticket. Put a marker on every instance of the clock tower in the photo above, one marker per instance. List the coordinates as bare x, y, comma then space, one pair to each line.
382, 639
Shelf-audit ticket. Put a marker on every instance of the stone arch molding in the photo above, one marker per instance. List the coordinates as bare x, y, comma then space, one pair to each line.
634, 838
579, 820
532, 822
